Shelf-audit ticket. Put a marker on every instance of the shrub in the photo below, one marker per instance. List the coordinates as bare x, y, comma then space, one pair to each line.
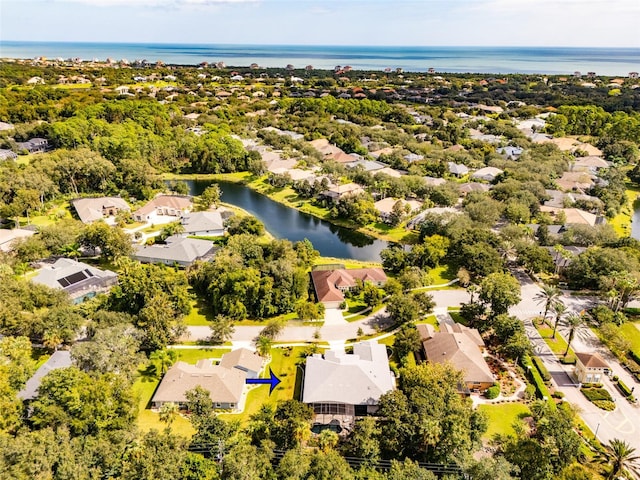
558, 394
492, 392
534, 376
626, 391
530, 392
595, 394
605, 405
615, 378
544, 373
634, 356
569, 360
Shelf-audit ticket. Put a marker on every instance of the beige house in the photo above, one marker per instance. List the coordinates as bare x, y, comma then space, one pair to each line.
339, 191
590, 368
385, 207
460, 346
224, 381
99, 208
163, 206
330, 285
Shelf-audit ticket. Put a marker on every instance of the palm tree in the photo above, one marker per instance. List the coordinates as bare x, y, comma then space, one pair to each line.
168, 413
165, 357
547, 295
559, 310
263, 345
620, 455
574, 321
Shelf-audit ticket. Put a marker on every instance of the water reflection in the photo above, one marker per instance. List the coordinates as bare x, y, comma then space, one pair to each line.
284, 222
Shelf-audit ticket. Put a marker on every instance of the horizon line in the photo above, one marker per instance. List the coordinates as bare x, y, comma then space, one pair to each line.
92, 42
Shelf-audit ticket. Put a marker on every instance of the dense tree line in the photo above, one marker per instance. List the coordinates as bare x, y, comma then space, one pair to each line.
249, 279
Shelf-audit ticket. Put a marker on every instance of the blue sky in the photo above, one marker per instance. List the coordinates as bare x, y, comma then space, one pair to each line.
597, 23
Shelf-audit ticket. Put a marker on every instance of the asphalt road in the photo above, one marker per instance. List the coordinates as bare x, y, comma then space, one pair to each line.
622, 423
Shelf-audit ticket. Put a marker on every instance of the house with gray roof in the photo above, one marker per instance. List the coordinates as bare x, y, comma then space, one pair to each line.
59, 359
341, 386
34, 145
367, 165
79, 280
9, 237
413, 157
176, 250
457, 169
99, 208
6, 154
488, 174
225, 381
510, 152
208, 224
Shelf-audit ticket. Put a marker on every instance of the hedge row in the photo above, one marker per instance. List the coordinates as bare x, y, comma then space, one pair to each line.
634, 356
534, 375
546, 376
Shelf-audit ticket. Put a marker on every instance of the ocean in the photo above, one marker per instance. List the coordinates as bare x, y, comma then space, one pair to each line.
542, 60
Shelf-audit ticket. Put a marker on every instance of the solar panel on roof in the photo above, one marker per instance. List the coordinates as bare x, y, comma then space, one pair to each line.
73, 278
88, 272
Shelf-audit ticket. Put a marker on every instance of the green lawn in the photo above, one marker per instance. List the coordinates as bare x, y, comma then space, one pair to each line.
145, 385
442, 274
237, 177
622, 222
284, 365
51, 216
199, 315
347, 262
631, 331
431, 320
502, 417
557, 346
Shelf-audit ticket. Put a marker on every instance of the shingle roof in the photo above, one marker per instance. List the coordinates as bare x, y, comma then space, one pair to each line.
242, 357
592, 360
71, 275
202, 222
178, 202
463, 353
326, 281
90, 209
225, 385
177, 249
357, 379
7, 237
59, 359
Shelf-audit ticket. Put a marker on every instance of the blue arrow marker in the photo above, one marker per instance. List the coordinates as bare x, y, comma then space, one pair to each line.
273, 381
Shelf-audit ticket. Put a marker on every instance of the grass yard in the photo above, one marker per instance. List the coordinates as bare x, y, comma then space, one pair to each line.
632, 332
146, 384
51, 216
502, 417
557, 346
199, 315
284, 365
622, 222
442, 275
347, 262
431, 320
237, 177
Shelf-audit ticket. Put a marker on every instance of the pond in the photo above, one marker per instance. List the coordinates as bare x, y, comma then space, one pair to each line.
284, 222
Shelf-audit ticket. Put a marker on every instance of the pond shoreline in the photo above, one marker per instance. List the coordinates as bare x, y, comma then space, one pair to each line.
252, 182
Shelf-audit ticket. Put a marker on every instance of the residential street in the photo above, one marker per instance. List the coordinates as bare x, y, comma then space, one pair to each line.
623, 422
